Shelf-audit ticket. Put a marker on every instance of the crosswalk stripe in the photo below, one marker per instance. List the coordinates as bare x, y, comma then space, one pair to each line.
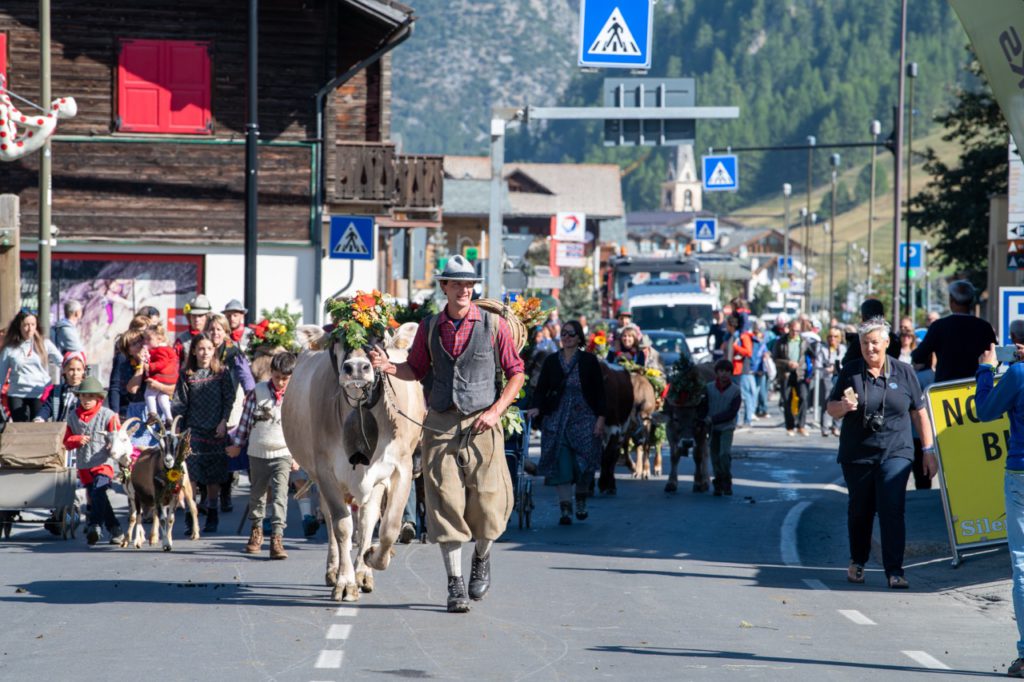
927, 660
329, 658
339, 631
857, 617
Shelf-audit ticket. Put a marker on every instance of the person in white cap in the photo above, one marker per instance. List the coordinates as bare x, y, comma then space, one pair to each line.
235, 313
198, 312
468, 487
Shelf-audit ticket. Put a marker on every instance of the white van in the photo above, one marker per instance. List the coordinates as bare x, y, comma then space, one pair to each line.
676, 308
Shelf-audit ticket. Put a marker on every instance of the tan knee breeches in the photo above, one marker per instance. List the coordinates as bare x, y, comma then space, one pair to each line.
466, 479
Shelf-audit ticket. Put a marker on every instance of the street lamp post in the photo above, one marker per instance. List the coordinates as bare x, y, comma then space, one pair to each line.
836, 158
811, 141
876, 130
912, 75
803, 221
787, 191
898, 163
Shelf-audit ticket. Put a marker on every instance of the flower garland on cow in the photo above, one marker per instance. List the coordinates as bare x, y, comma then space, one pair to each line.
274, 333
361, 318
686, 388
598, 343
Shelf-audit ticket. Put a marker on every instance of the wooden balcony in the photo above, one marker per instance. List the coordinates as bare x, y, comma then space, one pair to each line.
372, 173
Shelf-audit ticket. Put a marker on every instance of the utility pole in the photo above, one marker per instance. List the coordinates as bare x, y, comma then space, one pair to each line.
832, 235
45, 174
898, 163
811, 141
252, 133
876, 130
912, 75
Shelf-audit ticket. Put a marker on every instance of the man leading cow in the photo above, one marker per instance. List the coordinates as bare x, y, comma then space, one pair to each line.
467, 483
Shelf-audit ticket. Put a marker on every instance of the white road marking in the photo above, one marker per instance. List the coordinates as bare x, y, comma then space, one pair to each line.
787, 540
815, 584
329, 658
857, 617
927, 660
339, 631
350, 611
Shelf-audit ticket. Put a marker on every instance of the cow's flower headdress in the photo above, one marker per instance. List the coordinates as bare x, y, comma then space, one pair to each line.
529, 311
360, 318
275, 330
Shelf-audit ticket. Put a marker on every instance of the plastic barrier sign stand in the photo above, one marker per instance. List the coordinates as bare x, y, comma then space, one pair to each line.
972, 459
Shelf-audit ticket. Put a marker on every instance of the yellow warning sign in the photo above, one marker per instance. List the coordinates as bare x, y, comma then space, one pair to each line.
973, 457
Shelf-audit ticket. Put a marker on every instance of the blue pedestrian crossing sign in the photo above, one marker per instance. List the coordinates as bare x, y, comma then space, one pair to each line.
616, 33
785, 264
351, 237
721, 173
705, 229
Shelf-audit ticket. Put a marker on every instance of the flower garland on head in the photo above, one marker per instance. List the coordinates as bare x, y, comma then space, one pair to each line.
360, 318
685, 386
275, 330
528, 311
652, 374
597, 343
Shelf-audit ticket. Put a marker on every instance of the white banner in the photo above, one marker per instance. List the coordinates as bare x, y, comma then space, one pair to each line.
570, 255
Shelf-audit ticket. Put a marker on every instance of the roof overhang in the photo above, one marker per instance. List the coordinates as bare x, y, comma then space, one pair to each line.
384, 11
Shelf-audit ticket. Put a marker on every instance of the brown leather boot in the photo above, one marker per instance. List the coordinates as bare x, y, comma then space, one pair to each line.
255, 540
277, 547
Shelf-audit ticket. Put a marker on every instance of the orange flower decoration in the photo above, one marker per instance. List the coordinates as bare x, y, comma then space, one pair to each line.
365, 301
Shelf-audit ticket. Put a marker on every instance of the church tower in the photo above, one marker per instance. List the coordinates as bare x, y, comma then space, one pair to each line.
682, 192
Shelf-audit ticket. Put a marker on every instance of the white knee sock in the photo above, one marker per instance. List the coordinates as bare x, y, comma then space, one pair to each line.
305, 506
483, 547
451, 552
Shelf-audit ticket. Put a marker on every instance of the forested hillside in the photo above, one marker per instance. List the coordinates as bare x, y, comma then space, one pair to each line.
794, 67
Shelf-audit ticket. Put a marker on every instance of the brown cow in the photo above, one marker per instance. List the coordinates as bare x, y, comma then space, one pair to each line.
618, 392
641, 426
685, 428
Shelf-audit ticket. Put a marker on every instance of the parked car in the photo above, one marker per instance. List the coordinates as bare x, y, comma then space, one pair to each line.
670, 346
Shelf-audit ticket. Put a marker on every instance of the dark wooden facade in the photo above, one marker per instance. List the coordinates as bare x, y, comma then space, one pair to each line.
158, 188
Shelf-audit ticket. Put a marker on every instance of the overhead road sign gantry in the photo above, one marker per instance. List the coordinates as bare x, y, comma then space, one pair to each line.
656, 94
616, 34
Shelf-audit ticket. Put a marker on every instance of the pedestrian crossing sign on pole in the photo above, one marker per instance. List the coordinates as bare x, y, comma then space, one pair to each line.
721, 173
705, 229
616, 33
351, 237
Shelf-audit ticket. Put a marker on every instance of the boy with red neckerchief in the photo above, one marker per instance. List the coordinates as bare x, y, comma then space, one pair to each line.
86, 433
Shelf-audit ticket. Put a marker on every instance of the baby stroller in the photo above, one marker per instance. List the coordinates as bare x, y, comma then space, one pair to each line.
517, 449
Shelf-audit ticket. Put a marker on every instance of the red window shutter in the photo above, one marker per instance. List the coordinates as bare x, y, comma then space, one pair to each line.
139, 92
164, 87
187, 82
3, 54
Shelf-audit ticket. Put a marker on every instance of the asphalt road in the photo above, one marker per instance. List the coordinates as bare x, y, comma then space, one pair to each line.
653, 586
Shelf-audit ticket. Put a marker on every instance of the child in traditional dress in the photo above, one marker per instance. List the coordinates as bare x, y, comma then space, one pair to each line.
86, 433
162, 367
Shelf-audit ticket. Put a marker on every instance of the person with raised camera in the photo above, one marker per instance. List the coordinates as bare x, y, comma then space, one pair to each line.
992, 401
879, 398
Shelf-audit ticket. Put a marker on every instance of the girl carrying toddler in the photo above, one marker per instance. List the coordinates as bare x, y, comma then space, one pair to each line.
162, 367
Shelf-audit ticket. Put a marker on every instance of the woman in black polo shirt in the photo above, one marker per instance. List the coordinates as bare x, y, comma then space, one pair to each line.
876, 447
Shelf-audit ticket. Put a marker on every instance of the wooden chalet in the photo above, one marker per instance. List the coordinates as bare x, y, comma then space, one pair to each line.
152, 168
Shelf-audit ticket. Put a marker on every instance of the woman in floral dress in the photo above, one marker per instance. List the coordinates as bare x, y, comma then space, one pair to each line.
570, 400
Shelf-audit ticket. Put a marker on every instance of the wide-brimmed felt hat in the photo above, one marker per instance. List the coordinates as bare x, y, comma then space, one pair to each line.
200, 305
91, 385
235, 306
459, 269
624, 312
